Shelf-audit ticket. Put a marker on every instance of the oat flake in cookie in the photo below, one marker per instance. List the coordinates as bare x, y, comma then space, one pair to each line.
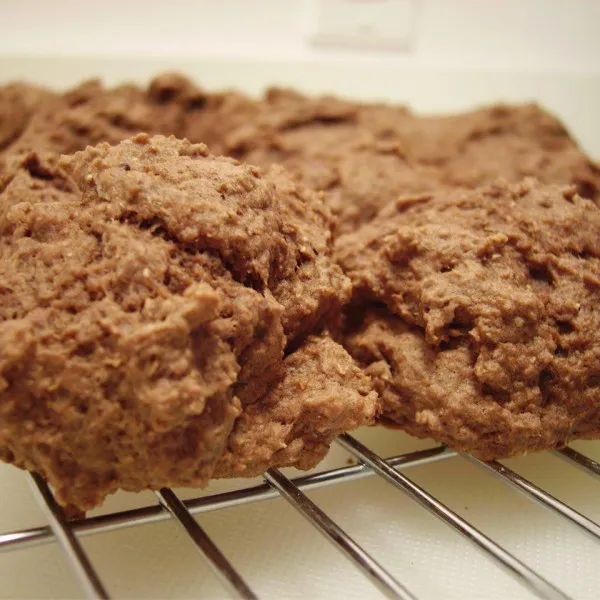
477, 315
148, 293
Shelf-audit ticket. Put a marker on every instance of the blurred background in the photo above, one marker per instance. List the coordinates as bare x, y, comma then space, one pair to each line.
434, 55
557, 35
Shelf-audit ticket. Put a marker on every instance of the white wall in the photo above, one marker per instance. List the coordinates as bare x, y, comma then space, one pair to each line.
544, 35
464, 52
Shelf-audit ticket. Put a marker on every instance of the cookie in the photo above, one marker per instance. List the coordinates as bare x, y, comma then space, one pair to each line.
366, 155
476, 315
149, 293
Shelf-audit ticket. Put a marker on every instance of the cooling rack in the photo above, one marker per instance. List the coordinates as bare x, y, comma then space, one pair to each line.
67, 534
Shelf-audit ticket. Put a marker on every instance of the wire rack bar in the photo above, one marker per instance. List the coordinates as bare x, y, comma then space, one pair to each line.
152, 514
77, 559
536, 494
224, 570
528, 577
586, 464
390, 586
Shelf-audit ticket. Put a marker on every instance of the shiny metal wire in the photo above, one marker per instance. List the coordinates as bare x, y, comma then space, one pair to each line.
151, 514
337, 536
230, 578
586, 464
534, 493
513, 566
77, 559
66, 533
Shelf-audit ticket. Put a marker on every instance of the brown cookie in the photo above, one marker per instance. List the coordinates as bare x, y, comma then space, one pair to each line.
476, 314
148, 292
90, 113
366, 155
322, 394
18, 102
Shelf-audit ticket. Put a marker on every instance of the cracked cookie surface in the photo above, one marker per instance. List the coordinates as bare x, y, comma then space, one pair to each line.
148, 293
366, 155
476, 315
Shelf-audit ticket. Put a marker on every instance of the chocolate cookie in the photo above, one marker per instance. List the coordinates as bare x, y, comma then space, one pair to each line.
18, 102
322, 393
149, 291
476, 314
90, 113
365, 155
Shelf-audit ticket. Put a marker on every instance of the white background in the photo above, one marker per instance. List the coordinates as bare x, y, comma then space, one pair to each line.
548, 35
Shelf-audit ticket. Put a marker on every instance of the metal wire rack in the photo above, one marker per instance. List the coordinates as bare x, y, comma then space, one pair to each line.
67, 533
